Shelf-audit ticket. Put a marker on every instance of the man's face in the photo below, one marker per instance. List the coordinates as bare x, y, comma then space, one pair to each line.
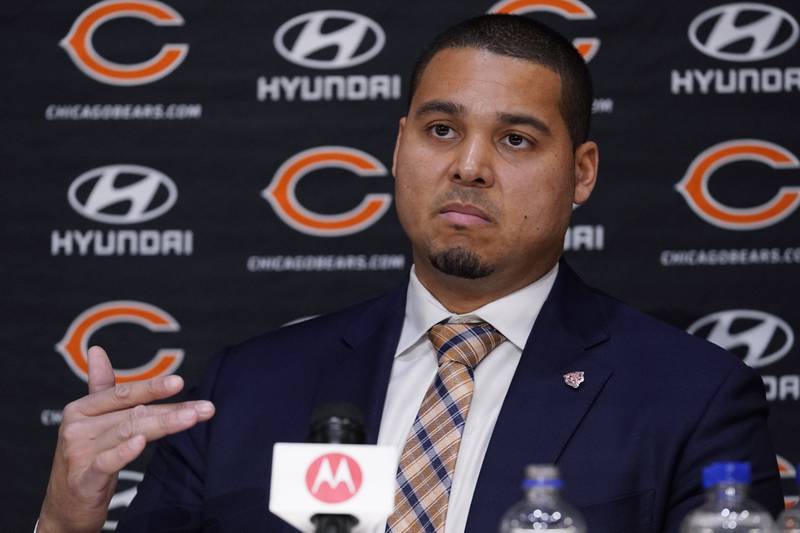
485, 170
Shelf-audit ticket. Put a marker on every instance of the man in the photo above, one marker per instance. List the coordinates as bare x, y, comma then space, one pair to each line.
488, 163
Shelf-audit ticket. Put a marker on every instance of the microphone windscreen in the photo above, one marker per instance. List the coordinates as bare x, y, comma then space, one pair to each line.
337, 423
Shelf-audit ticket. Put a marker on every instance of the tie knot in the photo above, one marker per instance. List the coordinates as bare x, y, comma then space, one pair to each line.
464, 343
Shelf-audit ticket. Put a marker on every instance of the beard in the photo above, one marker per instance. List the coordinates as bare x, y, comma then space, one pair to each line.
460, 262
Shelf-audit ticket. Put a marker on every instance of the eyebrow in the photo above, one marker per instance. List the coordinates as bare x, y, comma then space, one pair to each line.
440, 106
513, 119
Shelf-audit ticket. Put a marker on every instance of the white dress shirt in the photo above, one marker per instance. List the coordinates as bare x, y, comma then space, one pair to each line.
415, 366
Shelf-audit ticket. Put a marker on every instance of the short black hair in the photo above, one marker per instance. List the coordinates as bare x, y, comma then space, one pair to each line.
523, 38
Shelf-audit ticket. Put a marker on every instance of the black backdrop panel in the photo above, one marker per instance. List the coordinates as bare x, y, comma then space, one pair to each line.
182, 175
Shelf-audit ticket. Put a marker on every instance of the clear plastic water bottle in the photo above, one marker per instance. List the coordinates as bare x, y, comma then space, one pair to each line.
543, 506
789, 520
727, 506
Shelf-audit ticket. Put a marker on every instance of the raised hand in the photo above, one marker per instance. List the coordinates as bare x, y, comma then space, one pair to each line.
100, 434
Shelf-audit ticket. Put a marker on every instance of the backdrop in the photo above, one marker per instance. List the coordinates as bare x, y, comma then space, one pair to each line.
182, 175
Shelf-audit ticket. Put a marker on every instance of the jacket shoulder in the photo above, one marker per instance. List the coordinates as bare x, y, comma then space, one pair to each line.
314, 335
641, 341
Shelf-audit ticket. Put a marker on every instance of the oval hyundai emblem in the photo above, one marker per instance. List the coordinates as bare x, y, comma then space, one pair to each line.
765, 338
122, 194
743, 31
329, 39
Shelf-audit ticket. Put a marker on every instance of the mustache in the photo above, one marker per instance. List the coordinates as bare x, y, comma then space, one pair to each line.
475, 197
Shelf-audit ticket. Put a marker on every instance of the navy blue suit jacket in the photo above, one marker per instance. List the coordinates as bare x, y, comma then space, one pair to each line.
657, 405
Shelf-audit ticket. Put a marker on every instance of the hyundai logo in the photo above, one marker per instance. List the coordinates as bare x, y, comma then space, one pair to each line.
329, 39
744, 31
765, 337
122, 194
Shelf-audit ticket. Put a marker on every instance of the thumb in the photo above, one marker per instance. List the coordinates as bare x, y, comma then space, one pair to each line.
101, 373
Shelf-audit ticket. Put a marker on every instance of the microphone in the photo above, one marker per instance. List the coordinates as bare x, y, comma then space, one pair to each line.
336, 423
333, 483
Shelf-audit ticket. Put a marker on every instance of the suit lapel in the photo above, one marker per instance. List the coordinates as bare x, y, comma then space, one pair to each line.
359, 371
540, 412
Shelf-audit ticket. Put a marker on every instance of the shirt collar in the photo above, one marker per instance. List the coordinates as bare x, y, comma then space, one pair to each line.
512, 315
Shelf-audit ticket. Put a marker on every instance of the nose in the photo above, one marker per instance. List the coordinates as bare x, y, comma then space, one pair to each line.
472, 165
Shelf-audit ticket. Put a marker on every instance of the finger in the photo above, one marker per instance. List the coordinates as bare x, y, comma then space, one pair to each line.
124, 395
108, 463
101, 373
96, 425
155, 426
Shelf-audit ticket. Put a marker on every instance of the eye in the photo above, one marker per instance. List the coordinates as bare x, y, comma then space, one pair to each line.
517, 141
442, 131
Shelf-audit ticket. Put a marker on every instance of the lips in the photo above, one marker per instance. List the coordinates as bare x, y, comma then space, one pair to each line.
464, 215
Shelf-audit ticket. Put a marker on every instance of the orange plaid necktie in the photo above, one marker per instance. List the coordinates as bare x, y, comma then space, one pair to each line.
427, 465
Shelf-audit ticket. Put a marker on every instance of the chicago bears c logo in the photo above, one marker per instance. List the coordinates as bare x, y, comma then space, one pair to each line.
694, 185
281, 192
788, 472
78, 43
569, 9
75, 344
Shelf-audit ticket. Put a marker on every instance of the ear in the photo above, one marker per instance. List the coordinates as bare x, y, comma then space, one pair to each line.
587, 159
400, 128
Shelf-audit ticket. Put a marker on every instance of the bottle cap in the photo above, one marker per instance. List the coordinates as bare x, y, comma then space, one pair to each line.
726, 473
541, 476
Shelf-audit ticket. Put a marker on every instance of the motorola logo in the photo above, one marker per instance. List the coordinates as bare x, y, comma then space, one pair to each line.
122, 194
744, 31
329, 39
762, 338
334, 478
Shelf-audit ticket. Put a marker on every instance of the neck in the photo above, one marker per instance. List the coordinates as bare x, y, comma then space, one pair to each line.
462, 295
